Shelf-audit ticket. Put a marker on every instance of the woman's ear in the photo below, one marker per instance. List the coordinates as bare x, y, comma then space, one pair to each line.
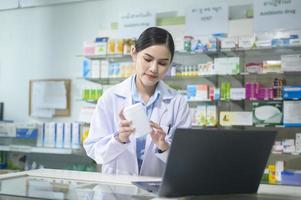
133, 54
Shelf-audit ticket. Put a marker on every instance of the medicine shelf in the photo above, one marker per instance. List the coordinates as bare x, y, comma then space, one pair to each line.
30, 149
285, 156
103, 57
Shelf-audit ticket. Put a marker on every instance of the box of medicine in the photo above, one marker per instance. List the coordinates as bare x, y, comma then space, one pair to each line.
291, 92
67, 135
230, 65
50, 134
88, 48
101, 46
291, 63
273, 66
201, 115
237, 93
291, 113
202, 92
86, 68
75, 138
59, 135
291, 177
191, 92
7, 129
246, 42
267, 113
26, 131
236, 118
95, 68
40, 139
229, 43
211, 115
263, 43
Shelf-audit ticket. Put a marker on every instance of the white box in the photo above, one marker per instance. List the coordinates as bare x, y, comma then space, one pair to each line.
291, 63
263, 43
228, 43
236, 118
229, 65
50, 135
291, 112
7, 130
246, 42
59, 135
211, 115
201, 115
237, 93
75, 136
67, 135
95, 69
104, 69
41, 131
136, 113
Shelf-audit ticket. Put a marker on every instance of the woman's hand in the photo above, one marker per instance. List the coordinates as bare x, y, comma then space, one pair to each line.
125, 129
158, 136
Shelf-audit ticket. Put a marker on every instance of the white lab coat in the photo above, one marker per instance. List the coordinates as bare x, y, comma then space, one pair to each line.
120, 159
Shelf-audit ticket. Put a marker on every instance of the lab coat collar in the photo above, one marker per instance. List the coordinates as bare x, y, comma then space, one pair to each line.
123, 89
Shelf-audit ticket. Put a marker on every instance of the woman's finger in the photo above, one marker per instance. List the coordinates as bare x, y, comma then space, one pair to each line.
125, 123
126, 130
121, 116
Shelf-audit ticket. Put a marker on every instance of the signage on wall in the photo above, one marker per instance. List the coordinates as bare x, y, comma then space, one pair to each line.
131, 24
207, 18
271, 15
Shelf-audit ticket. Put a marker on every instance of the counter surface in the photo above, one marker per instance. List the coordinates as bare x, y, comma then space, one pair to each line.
65, 184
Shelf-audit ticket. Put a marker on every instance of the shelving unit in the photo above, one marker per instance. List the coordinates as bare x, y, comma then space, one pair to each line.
239, 79
42, 150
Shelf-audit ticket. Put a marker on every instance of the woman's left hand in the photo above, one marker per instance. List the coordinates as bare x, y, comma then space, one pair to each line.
158, 136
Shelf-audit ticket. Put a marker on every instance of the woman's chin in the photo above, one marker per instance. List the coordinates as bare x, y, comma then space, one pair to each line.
149, 81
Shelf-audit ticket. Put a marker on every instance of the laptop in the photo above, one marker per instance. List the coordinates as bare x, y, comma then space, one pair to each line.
211, 162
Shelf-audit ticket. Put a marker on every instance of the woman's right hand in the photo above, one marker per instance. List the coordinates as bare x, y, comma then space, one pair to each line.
125, 128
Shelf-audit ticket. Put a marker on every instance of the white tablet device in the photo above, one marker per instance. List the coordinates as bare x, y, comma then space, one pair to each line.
136, 113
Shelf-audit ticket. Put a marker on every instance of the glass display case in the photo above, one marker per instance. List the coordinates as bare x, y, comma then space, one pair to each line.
75, 185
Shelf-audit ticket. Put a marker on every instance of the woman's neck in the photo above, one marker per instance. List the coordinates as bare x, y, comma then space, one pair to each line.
145, 91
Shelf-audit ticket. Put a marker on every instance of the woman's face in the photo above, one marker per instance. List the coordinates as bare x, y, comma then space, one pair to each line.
151, 63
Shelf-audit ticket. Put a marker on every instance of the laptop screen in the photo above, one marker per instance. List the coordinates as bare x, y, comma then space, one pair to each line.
216, 161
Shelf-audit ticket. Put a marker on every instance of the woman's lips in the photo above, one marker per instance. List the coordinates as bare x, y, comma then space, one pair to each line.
151, 76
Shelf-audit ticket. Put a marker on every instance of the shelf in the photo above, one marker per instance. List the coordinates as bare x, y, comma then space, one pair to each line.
113, 56
239, 51
285, 156
89, 101
29, 149
105, 81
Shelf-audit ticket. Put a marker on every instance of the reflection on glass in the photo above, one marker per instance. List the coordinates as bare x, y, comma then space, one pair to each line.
49, 188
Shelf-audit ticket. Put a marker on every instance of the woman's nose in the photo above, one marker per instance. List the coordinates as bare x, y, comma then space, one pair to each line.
154, 67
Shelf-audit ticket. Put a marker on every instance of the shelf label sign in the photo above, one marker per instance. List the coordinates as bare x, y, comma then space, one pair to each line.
207, 17
132, 24
273, 15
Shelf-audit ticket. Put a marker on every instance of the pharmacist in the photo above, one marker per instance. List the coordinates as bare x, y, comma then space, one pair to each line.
111, 141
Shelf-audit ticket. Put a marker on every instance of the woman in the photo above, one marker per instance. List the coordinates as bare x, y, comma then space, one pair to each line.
110, 141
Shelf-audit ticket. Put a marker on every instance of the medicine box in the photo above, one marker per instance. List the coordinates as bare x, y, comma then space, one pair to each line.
26, 131
291, 92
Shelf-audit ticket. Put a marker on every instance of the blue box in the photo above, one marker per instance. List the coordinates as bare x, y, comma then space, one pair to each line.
291, 92
291, 178
26, 133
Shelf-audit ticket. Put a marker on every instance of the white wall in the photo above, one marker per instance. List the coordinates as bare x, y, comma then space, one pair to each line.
42, 42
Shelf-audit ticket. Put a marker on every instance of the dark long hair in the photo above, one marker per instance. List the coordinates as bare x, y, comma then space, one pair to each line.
155, 36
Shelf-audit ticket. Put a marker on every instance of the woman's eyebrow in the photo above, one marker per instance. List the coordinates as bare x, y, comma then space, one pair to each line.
153, 57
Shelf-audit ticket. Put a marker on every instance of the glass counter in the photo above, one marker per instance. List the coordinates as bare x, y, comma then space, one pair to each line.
74, 185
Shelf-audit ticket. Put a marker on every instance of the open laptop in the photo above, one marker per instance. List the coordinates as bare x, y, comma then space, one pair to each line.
217, 161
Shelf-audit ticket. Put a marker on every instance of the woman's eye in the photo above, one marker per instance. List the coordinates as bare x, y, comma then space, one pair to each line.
147, 59
163, 64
